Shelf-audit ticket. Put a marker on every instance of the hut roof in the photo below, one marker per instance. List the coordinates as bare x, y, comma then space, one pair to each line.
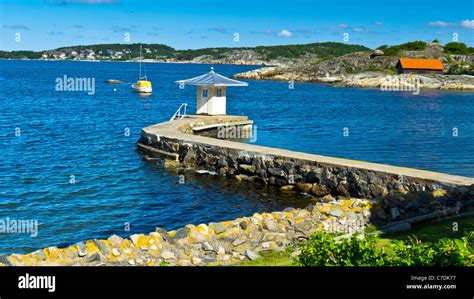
212, 79
425, 64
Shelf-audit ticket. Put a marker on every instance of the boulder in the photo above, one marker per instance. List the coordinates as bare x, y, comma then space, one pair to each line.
190, 157
287, 188
247, 169
304, 187
181, 233
168, 255
217, 227
319, 190
251, 255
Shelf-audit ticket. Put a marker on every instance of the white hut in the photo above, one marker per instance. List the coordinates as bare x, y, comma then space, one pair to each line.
211, 92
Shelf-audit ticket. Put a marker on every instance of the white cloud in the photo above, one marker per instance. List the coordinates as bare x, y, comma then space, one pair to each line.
469, 24
359, 29
342, 26
438, 24
285, 33
378, 23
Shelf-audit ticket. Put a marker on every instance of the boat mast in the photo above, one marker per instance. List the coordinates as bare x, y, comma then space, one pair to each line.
140, 62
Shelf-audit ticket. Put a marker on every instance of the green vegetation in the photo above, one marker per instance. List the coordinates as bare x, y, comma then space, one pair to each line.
411, 46
20, 55
456, 48
461, 69
323, 250
434, 231
428, 244
319, 49
153, 51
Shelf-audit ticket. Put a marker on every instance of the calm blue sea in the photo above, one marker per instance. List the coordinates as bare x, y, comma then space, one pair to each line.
49, 138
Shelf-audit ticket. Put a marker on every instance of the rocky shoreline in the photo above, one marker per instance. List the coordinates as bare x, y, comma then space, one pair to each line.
231, 242
215, 243
383, 81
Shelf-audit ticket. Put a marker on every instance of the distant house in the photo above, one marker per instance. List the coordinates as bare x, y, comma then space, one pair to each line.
419, 66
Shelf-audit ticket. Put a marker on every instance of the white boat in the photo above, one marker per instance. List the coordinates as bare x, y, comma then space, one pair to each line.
142, 85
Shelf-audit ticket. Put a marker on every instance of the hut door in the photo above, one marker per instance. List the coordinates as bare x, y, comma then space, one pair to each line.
204, 101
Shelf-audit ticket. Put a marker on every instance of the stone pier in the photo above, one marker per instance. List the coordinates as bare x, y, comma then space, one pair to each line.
397, 193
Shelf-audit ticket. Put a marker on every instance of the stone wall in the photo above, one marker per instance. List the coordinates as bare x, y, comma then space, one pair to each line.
394, 197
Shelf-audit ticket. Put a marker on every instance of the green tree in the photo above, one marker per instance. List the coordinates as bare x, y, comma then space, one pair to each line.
456, 48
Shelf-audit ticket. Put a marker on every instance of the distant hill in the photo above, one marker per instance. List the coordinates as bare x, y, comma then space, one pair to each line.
282, 54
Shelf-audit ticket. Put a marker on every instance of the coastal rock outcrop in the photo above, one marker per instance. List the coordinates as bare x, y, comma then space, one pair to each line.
365, 70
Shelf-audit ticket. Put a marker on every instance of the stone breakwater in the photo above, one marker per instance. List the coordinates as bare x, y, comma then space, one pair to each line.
363, 80
348, 195
397, 193
394, 197
216, 243
323, 177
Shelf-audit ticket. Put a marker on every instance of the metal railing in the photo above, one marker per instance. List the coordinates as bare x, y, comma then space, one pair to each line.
178, 114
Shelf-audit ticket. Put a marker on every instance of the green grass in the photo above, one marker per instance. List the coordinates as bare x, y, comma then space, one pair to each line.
427, 232
270, 258
433, 231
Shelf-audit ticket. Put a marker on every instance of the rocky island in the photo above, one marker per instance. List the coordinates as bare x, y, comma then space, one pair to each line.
377, 69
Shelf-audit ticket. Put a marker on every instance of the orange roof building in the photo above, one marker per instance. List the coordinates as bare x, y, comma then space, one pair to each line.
419, 66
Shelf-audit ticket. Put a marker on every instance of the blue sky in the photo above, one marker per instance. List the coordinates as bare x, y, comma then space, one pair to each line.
48, 24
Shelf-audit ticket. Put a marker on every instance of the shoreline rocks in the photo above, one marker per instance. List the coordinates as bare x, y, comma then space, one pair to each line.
403, 82
216, 243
